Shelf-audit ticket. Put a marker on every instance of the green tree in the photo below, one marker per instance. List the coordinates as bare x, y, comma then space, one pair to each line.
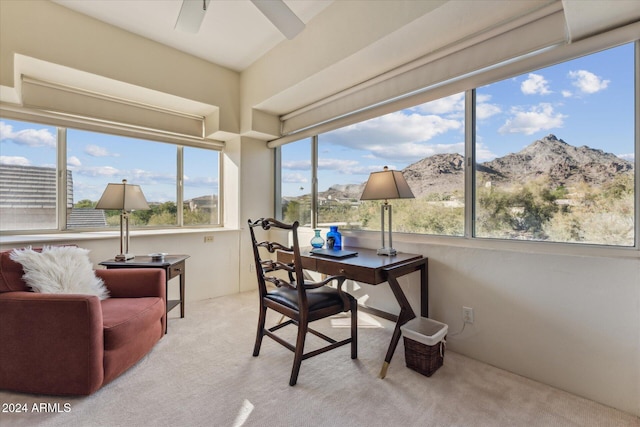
85, 203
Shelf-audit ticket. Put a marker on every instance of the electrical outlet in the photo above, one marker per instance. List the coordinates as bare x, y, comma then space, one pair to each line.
208, 239
467, 314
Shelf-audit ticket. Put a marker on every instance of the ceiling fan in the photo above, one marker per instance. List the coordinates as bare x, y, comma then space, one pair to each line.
192, 13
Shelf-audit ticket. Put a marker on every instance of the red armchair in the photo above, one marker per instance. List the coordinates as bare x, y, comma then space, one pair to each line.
74, 344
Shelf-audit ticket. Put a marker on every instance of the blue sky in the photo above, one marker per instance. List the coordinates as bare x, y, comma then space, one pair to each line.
585, 101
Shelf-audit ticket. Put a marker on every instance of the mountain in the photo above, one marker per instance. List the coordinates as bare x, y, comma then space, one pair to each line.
440, 173
562, 163
551, 157
343, 191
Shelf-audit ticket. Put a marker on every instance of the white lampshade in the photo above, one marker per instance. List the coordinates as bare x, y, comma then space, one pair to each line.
386, 184
126, 197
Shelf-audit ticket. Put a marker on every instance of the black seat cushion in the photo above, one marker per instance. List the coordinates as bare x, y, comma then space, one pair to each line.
318, 298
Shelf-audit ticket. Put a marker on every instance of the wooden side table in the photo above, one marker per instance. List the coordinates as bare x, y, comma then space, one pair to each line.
173, 265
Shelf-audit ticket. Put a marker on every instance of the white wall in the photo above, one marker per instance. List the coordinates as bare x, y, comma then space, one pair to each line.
49, 32
257, 201
572, 322
211, 267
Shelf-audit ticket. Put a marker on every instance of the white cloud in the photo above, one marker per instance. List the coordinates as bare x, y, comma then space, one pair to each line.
588, 82
539, 117
485, 110
399, 127
336, 164
14, 160
387, 133
28, 137
630, 157
567, 93
98, 171
535, 85
74, 161
483, 153
297, 165
97, 151
294, 178
201, 181
448, 105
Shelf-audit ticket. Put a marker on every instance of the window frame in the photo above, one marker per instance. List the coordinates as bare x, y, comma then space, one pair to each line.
593, 45
62, 125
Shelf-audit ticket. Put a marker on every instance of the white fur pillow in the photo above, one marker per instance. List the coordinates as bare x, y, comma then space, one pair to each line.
60, 270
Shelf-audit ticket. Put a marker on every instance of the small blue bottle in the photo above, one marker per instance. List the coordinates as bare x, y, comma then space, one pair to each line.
317, 241
335, 235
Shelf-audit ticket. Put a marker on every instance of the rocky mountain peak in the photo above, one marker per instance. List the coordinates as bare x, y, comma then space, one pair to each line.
549, 157
563, 163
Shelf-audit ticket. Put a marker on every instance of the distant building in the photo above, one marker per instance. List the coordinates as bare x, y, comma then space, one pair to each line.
28, 200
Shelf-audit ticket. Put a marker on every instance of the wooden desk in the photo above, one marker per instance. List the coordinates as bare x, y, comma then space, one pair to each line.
368, 267
173, 265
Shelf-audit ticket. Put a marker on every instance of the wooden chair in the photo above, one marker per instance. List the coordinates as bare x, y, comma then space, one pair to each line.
299, 300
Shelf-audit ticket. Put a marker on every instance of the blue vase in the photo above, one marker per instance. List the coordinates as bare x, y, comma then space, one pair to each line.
317, 241
335, 236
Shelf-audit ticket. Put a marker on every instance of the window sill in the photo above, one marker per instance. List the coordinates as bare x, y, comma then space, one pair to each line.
58, 237
406, 242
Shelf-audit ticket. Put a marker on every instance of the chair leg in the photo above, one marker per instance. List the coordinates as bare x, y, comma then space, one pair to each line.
260, 333
354, 330
297, 360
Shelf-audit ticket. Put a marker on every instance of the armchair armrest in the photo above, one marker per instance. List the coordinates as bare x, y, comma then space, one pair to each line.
134, 282
50, 343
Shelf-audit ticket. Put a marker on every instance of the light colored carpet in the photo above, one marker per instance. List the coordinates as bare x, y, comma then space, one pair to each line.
202, 374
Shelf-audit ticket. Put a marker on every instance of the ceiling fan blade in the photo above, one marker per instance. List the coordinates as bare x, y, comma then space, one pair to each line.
281, 16
191, 15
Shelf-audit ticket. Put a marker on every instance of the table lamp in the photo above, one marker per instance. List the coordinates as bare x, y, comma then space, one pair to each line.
384, 185
125, 198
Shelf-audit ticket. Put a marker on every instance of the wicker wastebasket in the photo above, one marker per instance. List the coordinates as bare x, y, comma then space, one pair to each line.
424, 344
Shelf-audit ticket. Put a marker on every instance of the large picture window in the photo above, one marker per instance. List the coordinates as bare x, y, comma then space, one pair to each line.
29, 195
555, 161
554, 148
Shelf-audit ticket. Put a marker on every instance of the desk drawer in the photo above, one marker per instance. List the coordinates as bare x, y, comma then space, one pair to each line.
352, 272
175, 270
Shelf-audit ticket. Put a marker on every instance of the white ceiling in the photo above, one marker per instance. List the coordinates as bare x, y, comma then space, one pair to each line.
234, 33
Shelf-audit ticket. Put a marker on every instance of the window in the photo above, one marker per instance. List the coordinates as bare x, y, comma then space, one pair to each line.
295, 182
28, 184
28, 196
96, 159
201, 204
425, 142
555, 153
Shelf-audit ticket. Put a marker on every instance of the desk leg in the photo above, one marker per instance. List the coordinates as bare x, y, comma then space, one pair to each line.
182, 280
424, 290
406, 314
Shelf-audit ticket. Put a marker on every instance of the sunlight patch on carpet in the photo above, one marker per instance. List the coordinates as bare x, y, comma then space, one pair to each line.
364, 321
243, 413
